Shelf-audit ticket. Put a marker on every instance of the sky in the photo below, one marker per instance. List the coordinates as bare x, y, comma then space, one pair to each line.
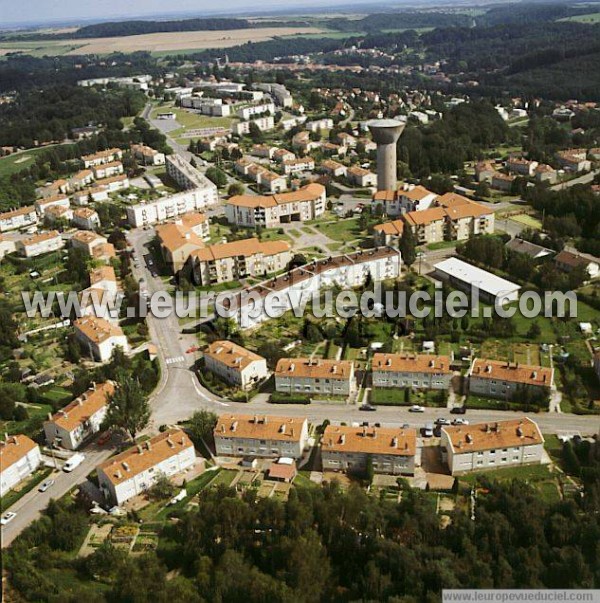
69, 11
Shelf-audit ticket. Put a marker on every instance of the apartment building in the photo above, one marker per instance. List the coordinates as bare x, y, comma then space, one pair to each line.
331, 149
320, 124
99, 337
302, 142
281, 155
19, 457
93, 193
18, 218
251, 111
574, 160
42, 205
264, 436
510, 443
213, 107
39, 244
226, 262
101, 157
416, 371
81, 179
58, 213
113, 184
264, 124
502, 182
58, 187
80, 419
173, 206
235, 364
389, 233
136, 470
297, 166
89, 241
391, 450
263, 150
315, 376
307, 203
283, 97
6, 246
361, 177
104, 277
546, 173
521, 166
333, 168
502, 379
147, 155
344, 271
107, 170
180, 238
86, 218
411, 198
428, 225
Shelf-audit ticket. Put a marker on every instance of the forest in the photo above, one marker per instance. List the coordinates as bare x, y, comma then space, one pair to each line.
328, 544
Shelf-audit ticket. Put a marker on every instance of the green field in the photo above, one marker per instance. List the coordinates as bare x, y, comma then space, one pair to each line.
528, 221
587, 18
39, 48
17, 162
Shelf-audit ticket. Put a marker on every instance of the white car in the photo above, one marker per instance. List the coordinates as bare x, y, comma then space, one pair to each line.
7, 517
460, 422
416, 408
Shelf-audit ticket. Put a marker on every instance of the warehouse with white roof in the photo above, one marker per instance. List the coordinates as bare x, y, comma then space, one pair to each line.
463, 276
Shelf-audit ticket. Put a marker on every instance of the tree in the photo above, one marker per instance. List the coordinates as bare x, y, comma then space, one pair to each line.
217, 176
408, 243
299, 259
255, 133
162, 488
128, 408
201, 425
236, 188
482, 190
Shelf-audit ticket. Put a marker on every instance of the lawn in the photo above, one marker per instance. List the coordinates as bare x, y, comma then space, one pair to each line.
588, 18
17, 162
341, 230
527, 220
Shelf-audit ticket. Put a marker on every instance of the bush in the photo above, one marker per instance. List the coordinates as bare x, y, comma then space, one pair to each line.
281, 398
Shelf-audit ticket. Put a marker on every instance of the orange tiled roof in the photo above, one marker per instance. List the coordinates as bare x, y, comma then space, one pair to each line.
370, 440
260, 428
314, 369
407, 363
14, 449
513, 372
231, 354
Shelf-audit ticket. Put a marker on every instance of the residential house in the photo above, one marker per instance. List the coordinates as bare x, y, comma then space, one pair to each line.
315, 376
261, 436
502, 182
521, 166
86, 218
38, 244
568, 261
484, 171
99, 338
390, 450
574, 160
297, 166
545, 173
6, 246
136, 470
81, 179
535, 252
19, 457
494, 445
281, 155
502, 379
235, 364
361, 177
416, 371
147, 155
108, 170
80, 419
41, 205
107, 156
333, 168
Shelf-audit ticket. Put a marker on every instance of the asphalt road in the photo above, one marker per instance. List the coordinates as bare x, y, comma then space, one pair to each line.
29, 507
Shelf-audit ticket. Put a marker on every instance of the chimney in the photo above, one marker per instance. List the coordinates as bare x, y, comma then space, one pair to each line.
235, 424
394, 442
49, 419
139, 449
374, 433
519, 431
282, 428
126, 466
343, 438
148, 445
487, 428
469, 438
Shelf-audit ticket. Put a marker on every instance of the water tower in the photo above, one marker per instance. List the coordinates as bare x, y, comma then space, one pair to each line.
386, 133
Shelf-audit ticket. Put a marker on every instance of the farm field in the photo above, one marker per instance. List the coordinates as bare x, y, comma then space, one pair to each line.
156, 42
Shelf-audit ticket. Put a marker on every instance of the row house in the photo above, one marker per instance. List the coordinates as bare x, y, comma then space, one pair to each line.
92, 194
297, 166
390, 451
226, 262
261, 436
315, 376
417, 371
20, 456
80, 419
41, 205
235, 364
510, 443
503, 379
101, 157
136, 470
107, 170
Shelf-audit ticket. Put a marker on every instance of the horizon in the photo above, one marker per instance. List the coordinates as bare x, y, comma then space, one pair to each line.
72, 12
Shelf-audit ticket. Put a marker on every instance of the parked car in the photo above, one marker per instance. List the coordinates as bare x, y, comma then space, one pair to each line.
405, 426
458, 410
460, 422
73, 462
416, 408
368, 407
7, 517
105, 437
427, 431
46, 485
442, 421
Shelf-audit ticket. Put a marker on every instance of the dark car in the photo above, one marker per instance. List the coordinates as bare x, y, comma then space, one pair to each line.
367, 407
458, 410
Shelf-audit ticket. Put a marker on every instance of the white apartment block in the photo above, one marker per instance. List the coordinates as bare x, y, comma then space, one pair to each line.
80, 419
114, 183
235, 364
315, 376
94, 194
101, 157
136, 470
279, 92
263, 123
264, 436
173, 206
18, 218
226, 262
501, 379
108, 170
213, 107
42, 205
417, 371
298, 285
297, 166
186, 175
19, 457
391, 450
307, 203
99, 337
86, 218
251, 111
39, 244
509, 443
320, 124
